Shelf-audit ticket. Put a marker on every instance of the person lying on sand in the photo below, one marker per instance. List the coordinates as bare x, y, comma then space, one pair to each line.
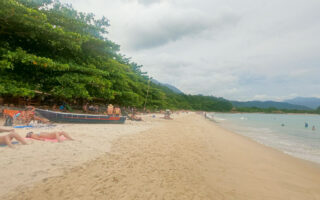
48, 135
6, 139
134, 118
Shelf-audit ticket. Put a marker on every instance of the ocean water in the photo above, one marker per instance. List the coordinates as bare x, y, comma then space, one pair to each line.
285, 132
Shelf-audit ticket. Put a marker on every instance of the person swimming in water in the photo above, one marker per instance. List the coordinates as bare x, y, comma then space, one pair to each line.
306, 125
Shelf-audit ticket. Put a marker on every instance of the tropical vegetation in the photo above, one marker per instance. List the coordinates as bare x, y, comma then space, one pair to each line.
49, 49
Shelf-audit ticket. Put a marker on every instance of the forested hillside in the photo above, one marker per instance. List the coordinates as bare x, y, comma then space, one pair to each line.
311, 102
268, 104
48, 48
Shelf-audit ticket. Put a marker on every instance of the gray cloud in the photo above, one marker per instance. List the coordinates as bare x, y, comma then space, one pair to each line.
248, 49
170, 27
148, 2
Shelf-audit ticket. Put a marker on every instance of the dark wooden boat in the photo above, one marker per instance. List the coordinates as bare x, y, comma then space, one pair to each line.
80, 118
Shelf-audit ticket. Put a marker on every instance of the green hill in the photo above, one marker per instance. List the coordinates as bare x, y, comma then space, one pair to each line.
171, 87
268, 104
311, 102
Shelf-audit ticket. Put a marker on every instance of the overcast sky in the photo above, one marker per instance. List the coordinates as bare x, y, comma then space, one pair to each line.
236, 49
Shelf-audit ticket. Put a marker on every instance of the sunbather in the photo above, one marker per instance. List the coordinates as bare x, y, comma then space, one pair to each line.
29, 114
48, 135
6, 139
133, 117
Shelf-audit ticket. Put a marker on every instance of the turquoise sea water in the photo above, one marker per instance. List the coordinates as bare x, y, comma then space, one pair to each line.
292, 137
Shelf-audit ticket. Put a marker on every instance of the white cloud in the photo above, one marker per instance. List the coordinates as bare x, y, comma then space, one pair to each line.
236, 49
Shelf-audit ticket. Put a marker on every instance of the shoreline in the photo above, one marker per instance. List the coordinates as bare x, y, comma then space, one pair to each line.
264, 145
266, 113
290, 136
185, 158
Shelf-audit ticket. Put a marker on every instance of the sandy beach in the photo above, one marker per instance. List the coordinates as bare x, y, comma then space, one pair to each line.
185, 158
27, 164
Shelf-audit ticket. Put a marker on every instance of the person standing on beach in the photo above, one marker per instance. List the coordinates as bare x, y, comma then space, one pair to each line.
85, 108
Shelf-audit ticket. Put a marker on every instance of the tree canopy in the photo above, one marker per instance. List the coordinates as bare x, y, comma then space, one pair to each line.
50, 47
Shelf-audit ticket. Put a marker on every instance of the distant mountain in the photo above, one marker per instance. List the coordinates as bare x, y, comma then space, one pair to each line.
269, 104
171, 87
310, 102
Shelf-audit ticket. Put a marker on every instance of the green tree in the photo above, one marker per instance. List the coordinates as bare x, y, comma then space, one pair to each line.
50, 47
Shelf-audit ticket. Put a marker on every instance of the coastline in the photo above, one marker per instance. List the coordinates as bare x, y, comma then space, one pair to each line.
288, 133
185, 158
280, 113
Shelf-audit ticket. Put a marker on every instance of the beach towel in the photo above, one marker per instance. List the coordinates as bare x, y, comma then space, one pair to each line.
62, 138
36, 126
4, 145
27, 126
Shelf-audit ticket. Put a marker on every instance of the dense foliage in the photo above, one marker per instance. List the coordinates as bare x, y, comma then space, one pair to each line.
49, 47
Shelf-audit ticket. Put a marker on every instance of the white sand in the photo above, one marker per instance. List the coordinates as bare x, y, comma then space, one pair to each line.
27, 164
186, 158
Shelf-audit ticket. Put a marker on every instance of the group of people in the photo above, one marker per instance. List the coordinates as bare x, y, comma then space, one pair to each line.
111, 110
29, 115
24, 116
90, 108
306, 125
8, 138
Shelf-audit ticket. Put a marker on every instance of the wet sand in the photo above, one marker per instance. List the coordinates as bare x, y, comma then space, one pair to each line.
185, 158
